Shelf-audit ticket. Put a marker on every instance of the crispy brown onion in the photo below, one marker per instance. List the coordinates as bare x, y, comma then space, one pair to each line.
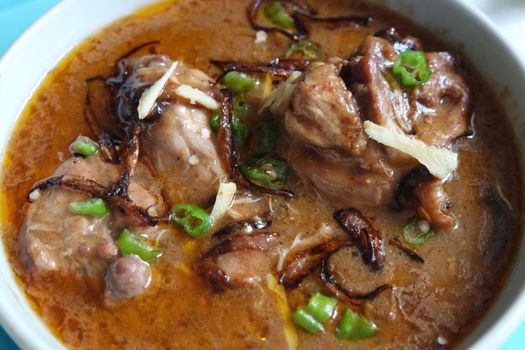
421, 191
255, 224
217, 278
110, 150
364, 235
108, 145
411, 253
261, 241
305, 262
360, 232
78, 183
251, 13
301, 14
131, 158
340, 292
229, 154
278, 67
405, 192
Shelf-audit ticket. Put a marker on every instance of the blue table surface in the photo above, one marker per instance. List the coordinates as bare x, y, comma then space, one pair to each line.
18, 15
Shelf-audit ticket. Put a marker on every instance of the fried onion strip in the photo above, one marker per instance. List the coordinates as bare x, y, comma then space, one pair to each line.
230, 155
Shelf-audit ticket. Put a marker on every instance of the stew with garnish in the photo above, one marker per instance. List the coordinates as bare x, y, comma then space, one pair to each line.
262, 174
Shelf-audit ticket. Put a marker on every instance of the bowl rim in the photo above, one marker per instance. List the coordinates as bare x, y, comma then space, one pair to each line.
22, 337
507, 321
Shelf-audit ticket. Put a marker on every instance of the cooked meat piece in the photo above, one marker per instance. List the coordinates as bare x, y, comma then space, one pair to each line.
239, 260
346, 181
435, 112
384, 101
184, 154
432, 203
144, 189
421, 191
127, 277
328, 149
323, 112
180, 144
340, 162
54, 239
247, 206
440, 106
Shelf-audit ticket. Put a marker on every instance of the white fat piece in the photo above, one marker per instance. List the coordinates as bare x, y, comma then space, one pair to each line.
151, 94
440, 162
260, 37
197, 96
35, 195
224, 200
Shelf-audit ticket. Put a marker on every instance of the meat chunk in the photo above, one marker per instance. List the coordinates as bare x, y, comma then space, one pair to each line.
435, 112
427, 195
323, 112
362, 182
440, 106
341, 164
239, 260
184, 154
246, 207
126, 277
432, 203
180, 143
328, 148
55, 239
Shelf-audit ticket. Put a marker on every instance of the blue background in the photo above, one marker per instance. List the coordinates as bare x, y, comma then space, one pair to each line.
15, 17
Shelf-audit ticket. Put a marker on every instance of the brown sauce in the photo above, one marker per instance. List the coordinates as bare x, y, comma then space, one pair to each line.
444, 297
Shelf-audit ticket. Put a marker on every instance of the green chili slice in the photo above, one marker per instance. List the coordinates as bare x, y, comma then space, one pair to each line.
321, 307
238, 82
412, 233
267, 136
355, 327
240, 104
95, 207
276, 14
304, 49
215, 121
194, 220
411, 67
265, 171
240, 131
308, 322
129, 244
84, 147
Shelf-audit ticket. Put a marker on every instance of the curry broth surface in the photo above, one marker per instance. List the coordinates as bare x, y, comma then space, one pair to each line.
462, 272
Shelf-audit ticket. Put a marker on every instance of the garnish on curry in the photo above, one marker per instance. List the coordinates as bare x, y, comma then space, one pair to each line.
263, 174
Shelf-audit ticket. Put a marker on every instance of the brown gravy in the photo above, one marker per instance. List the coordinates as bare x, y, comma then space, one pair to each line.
444, 297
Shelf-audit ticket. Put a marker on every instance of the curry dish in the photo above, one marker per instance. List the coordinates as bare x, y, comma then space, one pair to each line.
265, 175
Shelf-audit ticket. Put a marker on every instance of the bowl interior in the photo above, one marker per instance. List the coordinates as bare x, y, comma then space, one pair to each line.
456, 22
452, 20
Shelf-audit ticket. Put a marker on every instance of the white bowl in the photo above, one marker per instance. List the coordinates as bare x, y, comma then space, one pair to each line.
69, 23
